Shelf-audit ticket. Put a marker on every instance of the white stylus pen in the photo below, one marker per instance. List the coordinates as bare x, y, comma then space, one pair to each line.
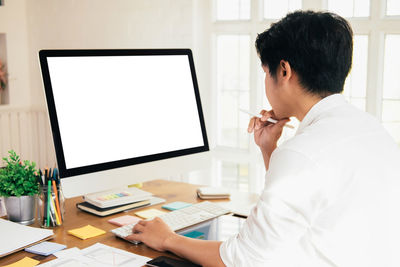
260, 116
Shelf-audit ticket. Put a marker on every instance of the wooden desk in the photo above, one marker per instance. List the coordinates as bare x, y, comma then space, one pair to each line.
74, 218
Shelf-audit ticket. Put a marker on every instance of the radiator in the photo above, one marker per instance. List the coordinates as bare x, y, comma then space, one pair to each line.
27, 131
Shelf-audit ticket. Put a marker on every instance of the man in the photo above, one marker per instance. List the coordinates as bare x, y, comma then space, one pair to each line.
332, 193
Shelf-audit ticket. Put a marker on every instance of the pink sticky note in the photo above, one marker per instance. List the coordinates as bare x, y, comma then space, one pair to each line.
124, 220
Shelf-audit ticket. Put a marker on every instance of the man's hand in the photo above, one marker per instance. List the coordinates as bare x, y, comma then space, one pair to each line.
266, 134
153, 233
157, 235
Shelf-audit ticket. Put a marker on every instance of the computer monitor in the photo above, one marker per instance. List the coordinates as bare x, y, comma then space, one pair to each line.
120, 117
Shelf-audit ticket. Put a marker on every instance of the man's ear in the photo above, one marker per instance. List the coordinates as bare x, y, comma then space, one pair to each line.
285, 68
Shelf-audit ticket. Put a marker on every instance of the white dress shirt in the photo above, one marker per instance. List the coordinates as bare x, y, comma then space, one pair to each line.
331, 196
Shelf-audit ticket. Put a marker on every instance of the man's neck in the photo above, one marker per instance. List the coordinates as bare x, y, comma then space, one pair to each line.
303, 104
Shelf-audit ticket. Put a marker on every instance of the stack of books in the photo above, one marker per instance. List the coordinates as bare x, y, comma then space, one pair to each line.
213, 192
113, 201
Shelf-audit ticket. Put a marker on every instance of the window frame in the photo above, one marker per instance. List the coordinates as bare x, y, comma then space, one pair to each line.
376, 26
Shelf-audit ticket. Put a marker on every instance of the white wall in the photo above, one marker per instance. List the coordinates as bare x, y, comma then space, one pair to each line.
104, 24
31, 25
13, 23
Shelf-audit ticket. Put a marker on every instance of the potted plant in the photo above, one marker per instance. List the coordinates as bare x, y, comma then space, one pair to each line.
19, 187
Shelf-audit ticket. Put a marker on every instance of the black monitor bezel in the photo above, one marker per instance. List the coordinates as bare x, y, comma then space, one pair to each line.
64, 172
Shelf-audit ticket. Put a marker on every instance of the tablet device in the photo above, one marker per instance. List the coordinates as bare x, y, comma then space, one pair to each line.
220, 228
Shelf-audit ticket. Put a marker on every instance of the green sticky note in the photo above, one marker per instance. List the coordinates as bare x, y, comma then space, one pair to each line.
176, 205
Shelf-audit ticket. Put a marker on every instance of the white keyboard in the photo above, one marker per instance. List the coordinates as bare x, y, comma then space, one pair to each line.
182, 218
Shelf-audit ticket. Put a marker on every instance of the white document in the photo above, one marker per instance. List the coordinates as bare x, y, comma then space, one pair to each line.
2, 207
98, 255
68, 253
243, 211
241, 203
15, 236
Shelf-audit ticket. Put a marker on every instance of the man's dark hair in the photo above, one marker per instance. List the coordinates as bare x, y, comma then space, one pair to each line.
317, 45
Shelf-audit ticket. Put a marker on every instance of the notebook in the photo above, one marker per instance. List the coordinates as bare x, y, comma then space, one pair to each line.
85, 206
213, 192
116, 197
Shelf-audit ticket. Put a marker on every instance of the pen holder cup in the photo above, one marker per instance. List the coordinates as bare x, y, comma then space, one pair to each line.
51, 206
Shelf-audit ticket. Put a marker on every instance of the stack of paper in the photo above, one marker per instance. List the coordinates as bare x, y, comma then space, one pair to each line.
15, 236
117, 200
211, 192
98, 255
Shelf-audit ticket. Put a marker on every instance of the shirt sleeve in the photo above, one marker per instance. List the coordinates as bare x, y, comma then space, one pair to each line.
282, 215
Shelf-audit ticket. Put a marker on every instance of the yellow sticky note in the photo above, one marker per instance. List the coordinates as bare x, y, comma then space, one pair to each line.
139, 185
149, 213
86, 232
25, 262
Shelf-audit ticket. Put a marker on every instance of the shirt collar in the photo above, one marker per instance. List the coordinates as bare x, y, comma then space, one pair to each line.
323, 105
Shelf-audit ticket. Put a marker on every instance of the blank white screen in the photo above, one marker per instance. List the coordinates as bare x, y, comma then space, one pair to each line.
118, 107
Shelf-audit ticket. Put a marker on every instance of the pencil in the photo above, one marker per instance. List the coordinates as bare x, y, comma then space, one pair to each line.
54, 211
57, 202
260, 116
48, 201
44, 200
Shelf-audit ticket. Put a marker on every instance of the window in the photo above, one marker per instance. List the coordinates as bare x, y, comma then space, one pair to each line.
233, 10
234, 175
392, 7
391, 86
355, 88
277, 9
373, 84
349, 8
233, 67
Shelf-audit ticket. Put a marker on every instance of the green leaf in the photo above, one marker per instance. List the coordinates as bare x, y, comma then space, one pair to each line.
18, 178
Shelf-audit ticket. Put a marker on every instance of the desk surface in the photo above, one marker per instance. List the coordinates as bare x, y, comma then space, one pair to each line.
74, 218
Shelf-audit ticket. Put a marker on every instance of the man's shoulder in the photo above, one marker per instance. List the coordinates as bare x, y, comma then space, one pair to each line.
337, 128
